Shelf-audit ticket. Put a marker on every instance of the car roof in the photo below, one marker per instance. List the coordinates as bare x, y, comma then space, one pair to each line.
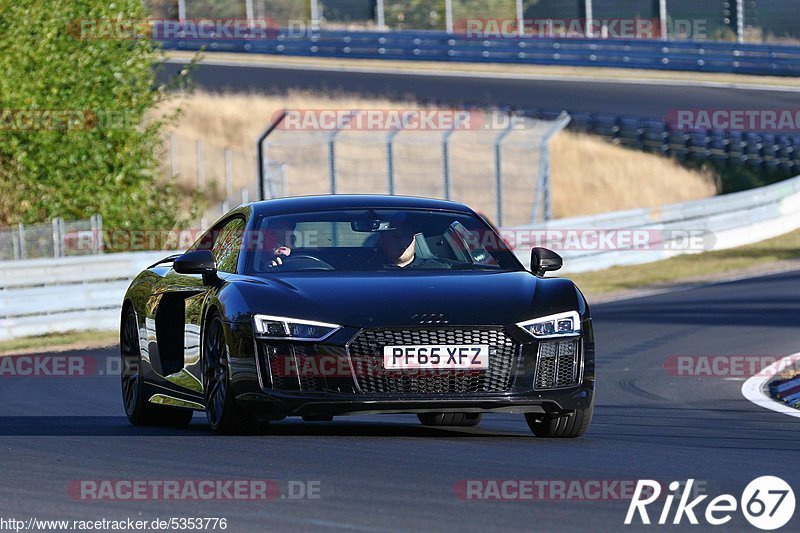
299, 204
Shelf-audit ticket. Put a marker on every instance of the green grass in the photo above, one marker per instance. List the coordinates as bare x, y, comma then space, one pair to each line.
688, 267
60, 340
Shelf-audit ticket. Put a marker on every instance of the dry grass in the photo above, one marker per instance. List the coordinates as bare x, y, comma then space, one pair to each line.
753, 259
59, 342
589, 175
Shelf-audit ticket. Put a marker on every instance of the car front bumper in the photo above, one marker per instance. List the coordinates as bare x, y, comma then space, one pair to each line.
513, 384
277, 405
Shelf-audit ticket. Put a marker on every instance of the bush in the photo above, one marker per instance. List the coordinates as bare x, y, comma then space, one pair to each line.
101, 155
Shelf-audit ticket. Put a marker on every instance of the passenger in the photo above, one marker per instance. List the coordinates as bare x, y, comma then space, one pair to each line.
397, 250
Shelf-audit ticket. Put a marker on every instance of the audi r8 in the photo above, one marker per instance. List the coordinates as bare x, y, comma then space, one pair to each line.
319, 307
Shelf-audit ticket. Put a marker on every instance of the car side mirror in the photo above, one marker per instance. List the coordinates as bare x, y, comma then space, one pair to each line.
544, 260
197, 262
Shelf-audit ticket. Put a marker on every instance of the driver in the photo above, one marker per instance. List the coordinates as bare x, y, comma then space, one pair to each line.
279, 238
397, 250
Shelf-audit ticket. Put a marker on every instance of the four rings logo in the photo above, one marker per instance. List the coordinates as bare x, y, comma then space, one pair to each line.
767, 503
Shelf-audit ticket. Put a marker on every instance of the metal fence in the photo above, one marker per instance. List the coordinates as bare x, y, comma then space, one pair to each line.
225, 176
59, 238
745, 20
502, 168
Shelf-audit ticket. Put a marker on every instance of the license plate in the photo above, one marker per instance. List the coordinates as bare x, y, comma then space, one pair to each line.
437, 357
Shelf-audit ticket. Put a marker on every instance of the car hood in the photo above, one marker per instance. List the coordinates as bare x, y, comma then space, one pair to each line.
388, 299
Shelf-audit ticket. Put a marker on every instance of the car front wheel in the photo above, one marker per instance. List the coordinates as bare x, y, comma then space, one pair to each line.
224, 416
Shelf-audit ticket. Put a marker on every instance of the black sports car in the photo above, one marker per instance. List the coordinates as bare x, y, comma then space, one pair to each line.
334, 305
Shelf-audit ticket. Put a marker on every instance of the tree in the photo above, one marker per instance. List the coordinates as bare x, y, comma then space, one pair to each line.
74, 135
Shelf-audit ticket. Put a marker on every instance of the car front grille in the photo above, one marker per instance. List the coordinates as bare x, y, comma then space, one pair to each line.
366, 355
558, 365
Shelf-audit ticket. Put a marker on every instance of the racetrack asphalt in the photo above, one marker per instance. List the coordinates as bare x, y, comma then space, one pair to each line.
649, 100
390, 473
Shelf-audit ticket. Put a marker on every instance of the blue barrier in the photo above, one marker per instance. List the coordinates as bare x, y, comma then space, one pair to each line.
698, 56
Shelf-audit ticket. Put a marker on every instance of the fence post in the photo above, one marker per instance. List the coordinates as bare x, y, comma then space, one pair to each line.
58, 237
23, 249
181, 10
446, 161
662, 15
262, 160
201, 168
390, 159
498, 170
332, 150
448, 15
520, 19
740, 21
380, 14
248, 6
315, 15
15, 246
589, 16
332, 163
97, 234
543, 179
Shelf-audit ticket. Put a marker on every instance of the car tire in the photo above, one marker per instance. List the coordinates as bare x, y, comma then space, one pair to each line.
224, 416
450, 419
137, 408
566, 425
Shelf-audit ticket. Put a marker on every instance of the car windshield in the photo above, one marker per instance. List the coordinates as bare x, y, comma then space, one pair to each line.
375, 240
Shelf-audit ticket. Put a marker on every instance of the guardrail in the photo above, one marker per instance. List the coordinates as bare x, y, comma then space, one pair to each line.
40, 296
717, 223
699, 56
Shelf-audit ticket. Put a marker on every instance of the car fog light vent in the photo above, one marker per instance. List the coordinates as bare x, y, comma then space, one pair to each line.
558, 365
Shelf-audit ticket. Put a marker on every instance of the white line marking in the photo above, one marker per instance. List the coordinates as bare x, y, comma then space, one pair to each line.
755, 388
491, 75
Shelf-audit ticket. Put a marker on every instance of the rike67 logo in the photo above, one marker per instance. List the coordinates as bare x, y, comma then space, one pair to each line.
767, 503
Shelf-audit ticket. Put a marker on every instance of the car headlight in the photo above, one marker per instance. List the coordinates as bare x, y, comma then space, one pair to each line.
560, 325
279, 327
